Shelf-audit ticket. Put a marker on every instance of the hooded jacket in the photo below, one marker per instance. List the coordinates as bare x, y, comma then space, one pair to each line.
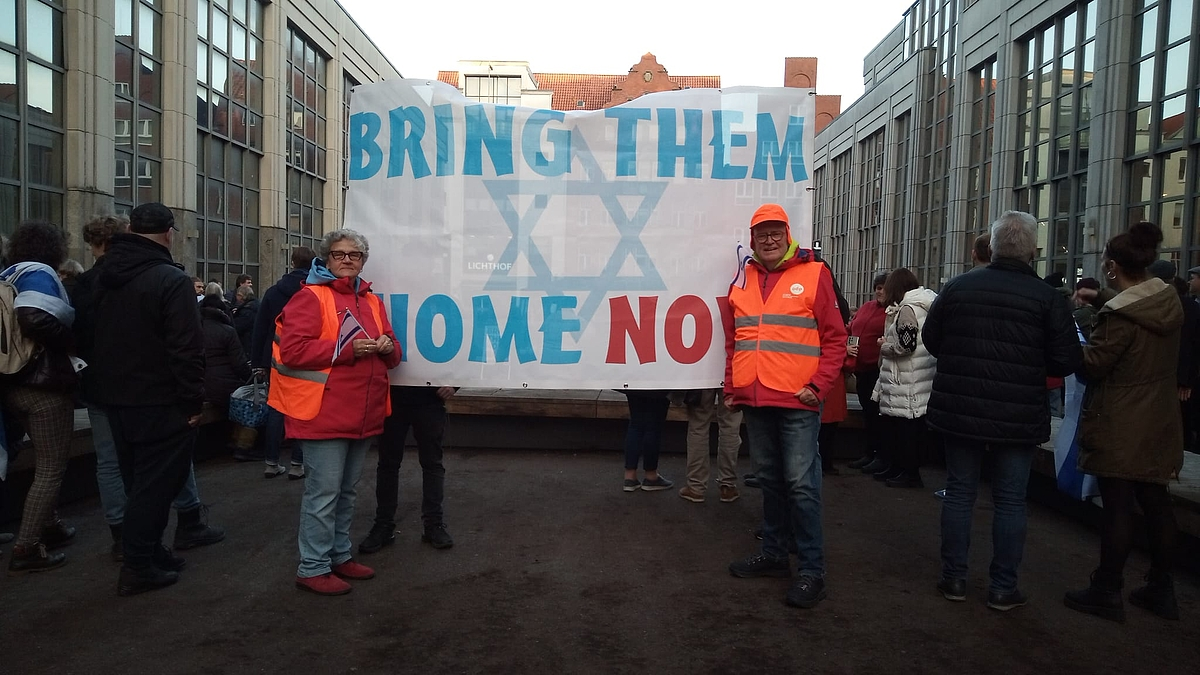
272, 304
905, 377
225, 365
147, 346
830, 328
997, 333
1130, 426
355, 401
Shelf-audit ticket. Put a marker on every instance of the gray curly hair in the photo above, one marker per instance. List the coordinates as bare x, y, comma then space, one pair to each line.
359, 241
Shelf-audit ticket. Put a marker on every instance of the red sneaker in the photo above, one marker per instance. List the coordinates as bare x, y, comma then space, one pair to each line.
354, 571
325, 584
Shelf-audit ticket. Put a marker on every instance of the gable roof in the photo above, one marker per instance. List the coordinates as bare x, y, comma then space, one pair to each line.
594, 91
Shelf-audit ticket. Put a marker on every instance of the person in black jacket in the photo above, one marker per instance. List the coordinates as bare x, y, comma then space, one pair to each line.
149, 369
997, 333
245, 315
225, 365
41, 395
1188, 366
263, 336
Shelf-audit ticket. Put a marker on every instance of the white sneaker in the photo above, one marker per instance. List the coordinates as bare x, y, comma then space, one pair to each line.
295, 473
273, 470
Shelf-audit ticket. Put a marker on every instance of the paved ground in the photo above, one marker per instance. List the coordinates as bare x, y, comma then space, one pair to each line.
557, 571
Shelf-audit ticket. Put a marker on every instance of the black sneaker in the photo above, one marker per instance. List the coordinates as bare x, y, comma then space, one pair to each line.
1158, 596
861, 462
659, 483
1002, 602
57, 535
905, 479
751, 481
436, 536
167, 561
878, 464
132, 582
193, 529
954, 590
377, 538
759, 565
34, 558
806, 593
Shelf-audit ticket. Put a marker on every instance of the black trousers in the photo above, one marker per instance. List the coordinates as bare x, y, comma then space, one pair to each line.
1116, 538
864, 385
428, 423
154, 448
904, 441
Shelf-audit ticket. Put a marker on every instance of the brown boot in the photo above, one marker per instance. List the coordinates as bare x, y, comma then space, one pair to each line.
33, 558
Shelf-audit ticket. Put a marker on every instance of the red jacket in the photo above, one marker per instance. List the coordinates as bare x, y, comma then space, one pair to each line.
356, 395
867, 324
834, 409
830, 328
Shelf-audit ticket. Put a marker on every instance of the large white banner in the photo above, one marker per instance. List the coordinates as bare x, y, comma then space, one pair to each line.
531, 248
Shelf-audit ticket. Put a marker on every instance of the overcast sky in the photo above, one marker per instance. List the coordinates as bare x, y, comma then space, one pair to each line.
743, 42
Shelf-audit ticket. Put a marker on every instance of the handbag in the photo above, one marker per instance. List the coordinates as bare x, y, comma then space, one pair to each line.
248, 403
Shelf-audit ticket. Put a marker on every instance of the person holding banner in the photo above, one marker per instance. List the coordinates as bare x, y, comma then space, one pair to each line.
329, 378
785, 344
1131, 437
997, 332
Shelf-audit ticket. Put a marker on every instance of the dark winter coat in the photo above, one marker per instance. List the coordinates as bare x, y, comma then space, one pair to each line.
1130, 426
83, 299
1189, 345
225, 364
148, 345
273, 302
244, 317
997, 333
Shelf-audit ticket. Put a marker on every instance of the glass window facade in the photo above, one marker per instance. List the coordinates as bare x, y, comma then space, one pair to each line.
870, 215
137, 111
837, 248
1054, 111
32, 115
229, 109
979, 160
940, 19
306, 146
1164, 126
348, 85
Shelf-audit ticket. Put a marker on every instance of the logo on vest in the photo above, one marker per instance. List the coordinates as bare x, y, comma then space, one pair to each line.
797, 290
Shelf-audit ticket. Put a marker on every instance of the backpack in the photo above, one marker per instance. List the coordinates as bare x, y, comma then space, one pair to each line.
16, 350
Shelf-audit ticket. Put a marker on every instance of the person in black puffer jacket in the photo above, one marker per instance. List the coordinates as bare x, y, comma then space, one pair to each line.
997, 333
225, 364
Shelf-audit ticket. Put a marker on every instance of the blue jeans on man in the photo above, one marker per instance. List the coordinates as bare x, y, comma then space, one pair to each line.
787, 461
1010, 478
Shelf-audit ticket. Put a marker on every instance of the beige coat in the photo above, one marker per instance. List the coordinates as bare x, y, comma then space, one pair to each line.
1130, 425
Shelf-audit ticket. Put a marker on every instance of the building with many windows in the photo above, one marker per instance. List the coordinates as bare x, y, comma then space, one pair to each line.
231, 112
1081, 112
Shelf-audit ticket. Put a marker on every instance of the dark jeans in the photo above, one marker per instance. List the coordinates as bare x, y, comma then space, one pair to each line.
825, 443
273, 433
642, 440
1010, 478
1116, 540
428, 423
783, 447
904, 441
154, 448
864, 385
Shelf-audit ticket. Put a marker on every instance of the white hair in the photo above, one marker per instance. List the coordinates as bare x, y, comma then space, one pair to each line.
359, 241
1014, 235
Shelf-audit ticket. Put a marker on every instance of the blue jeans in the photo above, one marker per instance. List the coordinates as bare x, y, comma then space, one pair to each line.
783, 447
108, 473
332, 468
647, 414
273, 439
1010, 478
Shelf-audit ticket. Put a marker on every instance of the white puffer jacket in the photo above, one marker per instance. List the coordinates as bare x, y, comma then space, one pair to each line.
906, 381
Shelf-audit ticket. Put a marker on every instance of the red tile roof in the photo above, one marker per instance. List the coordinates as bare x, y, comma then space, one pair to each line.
595, 91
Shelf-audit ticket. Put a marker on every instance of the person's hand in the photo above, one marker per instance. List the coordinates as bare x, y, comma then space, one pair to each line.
1185, 393
880, 342
445, 393
808, 397
852, 351
365, 348
385, 345
193, 421
260, 372
728, 401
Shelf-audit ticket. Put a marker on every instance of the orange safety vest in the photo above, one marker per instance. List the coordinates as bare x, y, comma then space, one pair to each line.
298, 393
776, 341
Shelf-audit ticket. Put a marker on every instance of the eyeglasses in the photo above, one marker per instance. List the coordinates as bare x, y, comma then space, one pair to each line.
764, 237
354, 256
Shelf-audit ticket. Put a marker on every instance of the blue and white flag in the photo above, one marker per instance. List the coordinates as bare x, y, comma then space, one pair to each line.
1070, 479
349, 331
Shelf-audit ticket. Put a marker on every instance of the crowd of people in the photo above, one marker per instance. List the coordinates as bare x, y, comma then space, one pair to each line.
154, 355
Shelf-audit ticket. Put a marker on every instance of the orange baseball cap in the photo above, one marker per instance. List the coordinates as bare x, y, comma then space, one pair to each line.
768, 213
